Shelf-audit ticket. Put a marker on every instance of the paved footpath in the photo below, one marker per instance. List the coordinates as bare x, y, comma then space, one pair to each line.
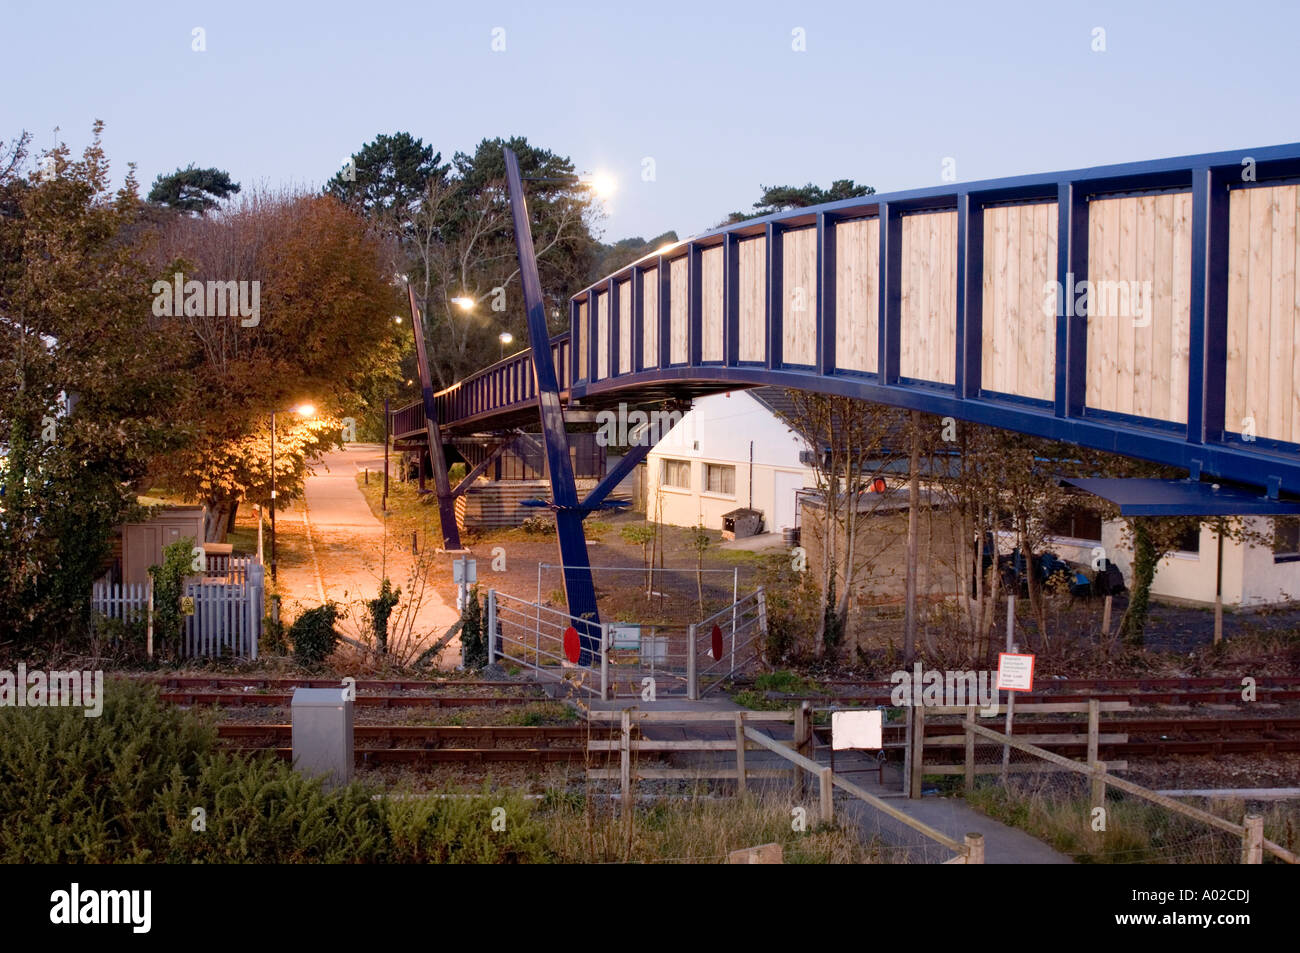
346, 541
950, 815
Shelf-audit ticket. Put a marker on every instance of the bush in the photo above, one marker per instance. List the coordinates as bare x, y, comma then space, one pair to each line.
538, 526
313, 634
168, 588
380, 608
473, 645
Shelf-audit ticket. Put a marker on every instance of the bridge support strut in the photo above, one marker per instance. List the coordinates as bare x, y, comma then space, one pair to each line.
437, 456
579, 589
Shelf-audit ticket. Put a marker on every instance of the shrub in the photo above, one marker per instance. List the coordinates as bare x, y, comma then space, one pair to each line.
380, 608
473, 648
313, 634
168, 588
538, 526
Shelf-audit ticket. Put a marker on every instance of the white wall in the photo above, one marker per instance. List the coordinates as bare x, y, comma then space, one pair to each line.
720, 428
1250, 575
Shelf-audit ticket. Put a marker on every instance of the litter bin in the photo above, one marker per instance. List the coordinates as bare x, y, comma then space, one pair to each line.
322, 734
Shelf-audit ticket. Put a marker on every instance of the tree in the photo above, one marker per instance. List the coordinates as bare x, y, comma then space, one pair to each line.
325, 332
87, 390
192, 190
779, 198
610, 258
854, 445
455, 239
388, 178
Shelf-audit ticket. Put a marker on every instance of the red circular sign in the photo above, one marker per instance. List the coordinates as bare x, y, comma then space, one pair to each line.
879, 485
717, 641
572, 645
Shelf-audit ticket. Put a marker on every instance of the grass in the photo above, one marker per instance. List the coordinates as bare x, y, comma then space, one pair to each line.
692, 831
782, 681
1137, 831
407, 510
542, 713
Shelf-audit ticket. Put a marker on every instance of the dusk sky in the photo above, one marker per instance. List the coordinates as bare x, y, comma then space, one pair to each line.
716, 94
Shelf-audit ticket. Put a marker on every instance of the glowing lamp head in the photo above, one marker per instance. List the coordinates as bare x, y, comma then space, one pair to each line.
463, 303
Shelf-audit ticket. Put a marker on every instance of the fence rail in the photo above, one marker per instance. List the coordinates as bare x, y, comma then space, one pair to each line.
748, 737
1254, 844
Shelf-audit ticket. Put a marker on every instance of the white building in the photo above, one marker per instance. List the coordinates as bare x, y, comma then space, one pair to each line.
1253, 575
728, 451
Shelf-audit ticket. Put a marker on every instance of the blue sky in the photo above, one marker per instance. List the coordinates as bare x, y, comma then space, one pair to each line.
713, 92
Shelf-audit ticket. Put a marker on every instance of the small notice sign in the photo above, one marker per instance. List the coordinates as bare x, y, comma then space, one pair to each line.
1015, 672
855, 729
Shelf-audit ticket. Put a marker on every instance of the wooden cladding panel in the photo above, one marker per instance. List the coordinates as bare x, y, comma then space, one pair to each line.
711, 314
1018, 354
799, 284
624, 327
1139, 305
581, 338
857, 294
679, 302
1263, 372
650, 320
928, 309
753, 299
602, 335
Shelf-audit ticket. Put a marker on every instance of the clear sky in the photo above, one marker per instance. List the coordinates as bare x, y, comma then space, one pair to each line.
714, 93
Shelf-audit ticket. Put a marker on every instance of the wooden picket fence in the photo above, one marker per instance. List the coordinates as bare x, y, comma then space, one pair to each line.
227, 600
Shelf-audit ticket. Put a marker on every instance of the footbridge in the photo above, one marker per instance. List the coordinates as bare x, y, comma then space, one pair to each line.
1149, 309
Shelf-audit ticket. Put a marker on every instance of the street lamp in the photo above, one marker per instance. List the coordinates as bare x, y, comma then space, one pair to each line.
304, 410
465, 304
505, 338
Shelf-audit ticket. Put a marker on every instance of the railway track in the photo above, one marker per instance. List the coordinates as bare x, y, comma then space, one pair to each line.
284, 699
182, 683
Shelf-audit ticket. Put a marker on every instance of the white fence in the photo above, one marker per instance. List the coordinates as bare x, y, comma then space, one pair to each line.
227, 597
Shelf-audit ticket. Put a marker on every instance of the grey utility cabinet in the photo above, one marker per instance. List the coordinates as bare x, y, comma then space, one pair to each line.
322, 733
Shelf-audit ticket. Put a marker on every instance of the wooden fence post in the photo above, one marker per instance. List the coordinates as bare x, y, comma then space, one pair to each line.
825, 777
974, 848
740, 754
970, 749
918, 752
1094, 739
1252, 839
802, 735
625, 762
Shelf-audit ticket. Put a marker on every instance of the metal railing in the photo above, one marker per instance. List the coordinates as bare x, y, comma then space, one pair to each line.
727, 643
531, 635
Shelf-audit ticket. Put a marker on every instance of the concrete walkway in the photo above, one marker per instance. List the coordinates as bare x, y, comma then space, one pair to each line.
348, 556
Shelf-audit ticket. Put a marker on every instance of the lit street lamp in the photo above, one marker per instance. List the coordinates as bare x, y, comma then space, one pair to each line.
305, 410
505, 338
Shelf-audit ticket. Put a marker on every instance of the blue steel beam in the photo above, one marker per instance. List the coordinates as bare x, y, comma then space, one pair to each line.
579, 588
477, 472
616, 476
437, 456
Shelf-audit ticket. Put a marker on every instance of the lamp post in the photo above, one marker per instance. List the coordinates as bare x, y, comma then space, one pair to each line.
306, 410
505, 338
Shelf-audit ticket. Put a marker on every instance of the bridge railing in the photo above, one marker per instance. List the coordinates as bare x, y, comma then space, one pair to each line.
506, 385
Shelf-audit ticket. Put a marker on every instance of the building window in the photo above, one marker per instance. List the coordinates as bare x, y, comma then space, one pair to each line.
1078, 524
1286, 539
720, 479
676, 473
1190, 541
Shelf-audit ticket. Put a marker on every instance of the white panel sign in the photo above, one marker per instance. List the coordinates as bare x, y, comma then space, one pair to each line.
464, 572
1015, 672
855, 729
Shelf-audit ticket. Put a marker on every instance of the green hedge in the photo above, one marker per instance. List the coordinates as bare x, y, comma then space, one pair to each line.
122, 788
